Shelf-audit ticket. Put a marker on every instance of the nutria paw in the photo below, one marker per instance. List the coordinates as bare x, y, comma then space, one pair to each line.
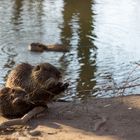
60, 87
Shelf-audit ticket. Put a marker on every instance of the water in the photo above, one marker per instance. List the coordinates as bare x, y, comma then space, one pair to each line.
103, 36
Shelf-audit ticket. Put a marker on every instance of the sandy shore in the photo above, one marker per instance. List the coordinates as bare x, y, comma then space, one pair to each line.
96, 119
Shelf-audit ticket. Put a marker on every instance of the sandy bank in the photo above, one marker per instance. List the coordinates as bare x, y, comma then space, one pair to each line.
95, 119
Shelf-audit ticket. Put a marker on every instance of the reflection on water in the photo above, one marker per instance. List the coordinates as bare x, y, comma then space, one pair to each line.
103, 37
81, 60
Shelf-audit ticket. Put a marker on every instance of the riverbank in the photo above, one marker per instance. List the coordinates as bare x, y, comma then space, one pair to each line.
95, 119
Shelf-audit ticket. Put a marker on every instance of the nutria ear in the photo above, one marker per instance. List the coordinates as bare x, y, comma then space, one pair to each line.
37, 68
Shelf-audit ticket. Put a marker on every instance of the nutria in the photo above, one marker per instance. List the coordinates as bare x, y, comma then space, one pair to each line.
29, 86
39, 47
16, 102
29, 77
12, 102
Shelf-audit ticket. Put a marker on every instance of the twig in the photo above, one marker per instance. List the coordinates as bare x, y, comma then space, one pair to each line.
100, 123
114, 85
120, 88
129, 86
134, 80
126, 82
137, 63
23, 120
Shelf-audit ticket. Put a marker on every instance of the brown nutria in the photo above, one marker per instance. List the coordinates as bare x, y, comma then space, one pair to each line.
29, 86
16, 102
39, 47
12, 102
29, 77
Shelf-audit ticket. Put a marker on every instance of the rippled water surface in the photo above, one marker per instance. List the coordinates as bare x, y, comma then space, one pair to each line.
103, 36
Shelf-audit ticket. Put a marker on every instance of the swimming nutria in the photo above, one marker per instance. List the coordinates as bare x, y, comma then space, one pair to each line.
29, 77
16, 102
38, 47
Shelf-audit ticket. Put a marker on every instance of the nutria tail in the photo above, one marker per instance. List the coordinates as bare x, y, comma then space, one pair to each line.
57, 48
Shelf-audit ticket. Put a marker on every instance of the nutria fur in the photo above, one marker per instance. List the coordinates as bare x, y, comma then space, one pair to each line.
12, 102
29, 86
43, 96
16, 102
29, 77
39, 47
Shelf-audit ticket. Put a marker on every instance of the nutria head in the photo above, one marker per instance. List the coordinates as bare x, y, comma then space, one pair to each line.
45, 71
37, 47
10, 94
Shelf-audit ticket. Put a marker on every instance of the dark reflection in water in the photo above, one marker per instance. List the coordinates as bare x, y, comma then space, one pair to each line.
17, 9
82, 16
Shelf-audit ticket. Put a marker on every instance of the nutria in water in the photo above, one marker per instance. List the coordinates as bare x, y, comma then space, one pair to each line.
39, 47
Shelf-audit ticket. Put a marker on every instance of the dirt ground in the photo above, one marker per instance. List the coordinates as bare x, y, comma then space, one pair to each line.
95, 119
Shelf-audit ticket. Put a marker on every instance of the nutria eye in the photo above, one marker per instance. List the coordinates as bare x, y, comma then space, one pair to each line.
13, 90
37, 68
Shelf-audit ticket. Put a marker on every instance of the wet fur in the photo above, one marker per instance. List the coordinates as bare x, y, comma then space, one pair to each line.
15, 102
12, 102
29, 86
30, 77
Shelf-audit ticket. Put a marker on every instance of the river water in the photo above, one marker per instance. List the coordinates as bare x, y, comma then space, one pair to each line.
103, 37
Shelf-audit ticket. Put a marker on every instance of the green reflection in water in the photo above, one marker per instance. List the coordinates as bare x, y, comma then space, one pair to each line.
85, 47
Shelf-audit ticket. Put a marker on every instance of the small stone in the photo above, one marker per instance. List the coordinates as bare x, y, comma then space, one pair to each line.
35, 133
107, 105
130, 108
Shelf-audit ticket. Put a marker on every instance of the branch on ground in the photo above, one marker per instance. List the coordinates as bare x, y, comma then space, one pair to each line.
23, 120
